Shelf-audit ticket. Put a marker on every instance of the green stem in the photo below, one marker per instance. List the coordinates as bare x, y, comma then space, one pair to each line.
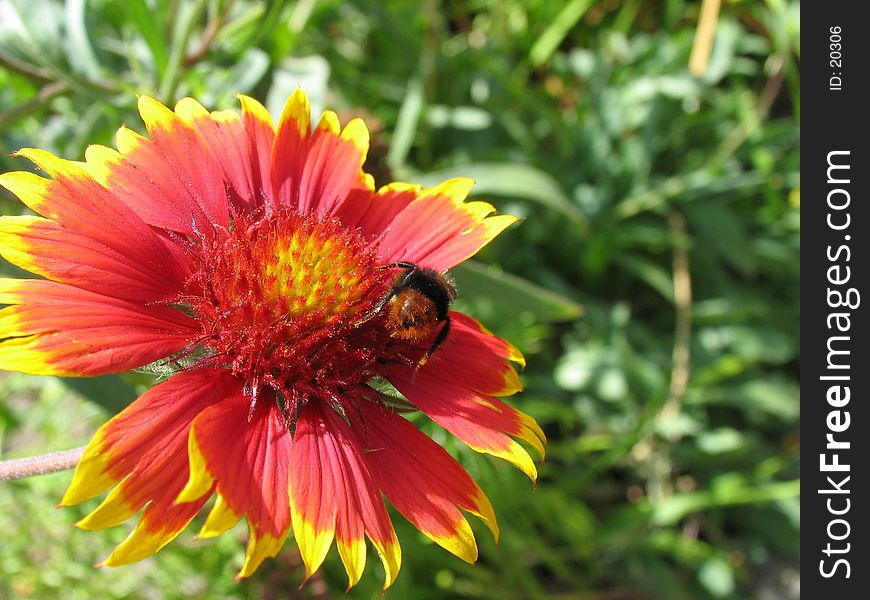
188, 17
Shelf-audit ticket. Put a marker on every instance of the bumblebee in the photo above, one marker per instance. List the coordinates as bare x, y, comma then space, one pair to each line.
417, 303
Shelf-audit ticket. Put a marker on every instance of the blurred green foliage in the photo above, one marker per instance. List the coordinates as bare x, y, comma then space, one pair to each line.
672, 416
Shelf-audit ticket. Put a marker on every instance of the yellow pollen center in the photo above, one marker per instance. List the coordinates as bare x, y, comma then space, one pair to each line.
285, 301
308, 274
283, 269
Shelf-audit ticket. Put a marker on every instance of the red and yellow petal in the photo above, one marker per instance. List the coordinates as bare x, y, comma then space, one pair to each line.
260, 547
423, 481
290, 149
90, 238
221, 518
160, 523
314, 171
373, 213
485, 337
225, 134
484, 423
187, 155
261, 133
249, 462
137, 437
171, 180
56, 329
144, 450
332, 496
48, 249
363, 512
474, 358
437, 228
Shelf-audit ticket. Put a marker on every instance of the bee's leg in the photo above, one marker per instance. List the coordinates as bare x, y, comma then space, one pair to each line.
377, 308
442, 335
411, 269
404, 265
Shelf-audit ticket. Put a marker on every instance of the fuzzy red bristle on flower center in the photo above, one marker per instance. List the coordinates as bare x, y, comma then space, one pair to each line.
279, 299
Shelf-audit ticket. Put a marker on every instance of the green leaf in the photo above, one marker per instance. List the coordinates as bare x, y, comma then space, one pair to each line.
110, 392
406, 125
717, 576
654, 275
143, 19
558, 29
721, 439
468, 118
188, 16
722, 232
514, 294
725, 491
80, 53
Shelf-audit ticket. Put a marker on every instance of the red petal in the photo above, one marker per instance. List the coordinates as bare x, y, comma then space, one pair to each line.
187, 157
332, 493
314, 171
171, 181
261, 132
48, 249
473, 358
432, 227
484, 423
56, 329
91, 225
249, 460
423, 481
145, 447
373, 213
225, 135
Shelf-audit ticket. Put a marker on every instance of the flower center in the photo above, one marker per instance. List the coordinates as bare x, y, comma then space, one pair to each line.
282, 302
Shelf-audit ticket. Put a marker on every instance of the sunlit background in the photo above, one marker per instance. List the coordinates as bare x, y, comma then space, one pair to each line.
653, 284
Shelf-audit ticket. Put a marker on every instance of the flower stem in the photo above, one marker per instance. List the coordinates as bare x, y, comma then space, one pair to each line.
18, 468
